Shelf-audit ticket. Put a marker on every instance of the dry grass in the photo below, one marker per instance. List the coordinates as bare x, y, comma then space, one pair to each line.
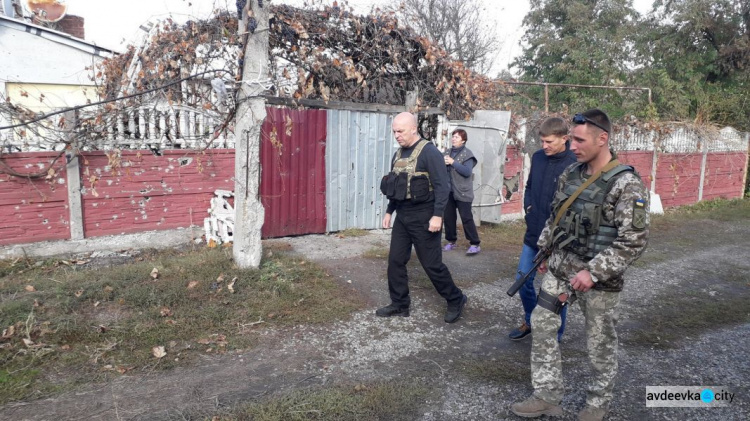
381, 401
91, 323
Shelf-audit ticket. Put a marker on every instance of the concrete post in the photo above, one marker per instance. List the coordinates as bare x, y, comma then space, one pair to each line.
73, 175
411, 100
251, 111
654, 162
702, 181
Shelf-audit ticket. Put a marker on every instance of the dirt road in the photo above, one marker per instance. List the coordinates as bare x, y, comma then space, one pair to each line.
684, 321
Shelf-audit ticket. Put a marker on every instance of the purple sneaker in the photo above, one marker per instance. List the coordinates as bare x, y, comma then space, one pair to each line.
473, 250
449, 247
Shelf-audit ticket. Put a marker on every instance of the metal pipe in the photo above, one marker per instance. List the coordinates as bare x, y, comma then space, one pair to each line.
573, 85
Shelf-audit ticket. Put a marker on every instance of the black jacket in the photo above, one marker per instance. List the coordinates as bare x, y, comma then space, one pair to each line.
540, 189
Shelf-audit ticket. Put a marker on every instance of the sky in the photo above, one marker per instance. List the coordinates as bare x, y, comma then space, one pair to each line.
114, 25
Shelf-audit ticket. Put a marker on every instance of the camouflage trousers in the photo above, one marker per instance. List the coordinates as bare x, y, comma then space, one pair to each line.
600, 310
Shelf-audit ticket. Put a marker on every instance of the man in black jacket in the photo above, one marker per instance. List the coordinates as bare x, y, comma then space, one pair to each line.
546, 166
417, 188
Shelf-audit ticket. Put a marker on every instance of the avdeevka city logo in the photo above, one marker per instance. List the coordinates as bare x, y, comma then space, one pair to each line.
688, 396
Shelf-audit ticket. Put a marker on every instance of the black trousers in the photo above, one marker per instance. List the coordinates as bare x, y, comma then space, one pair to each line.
467, 219
411, 228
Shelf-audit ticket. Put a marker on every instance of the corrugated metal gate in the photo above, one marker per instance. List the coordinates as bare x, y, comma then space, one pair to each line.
293, 177
360, 147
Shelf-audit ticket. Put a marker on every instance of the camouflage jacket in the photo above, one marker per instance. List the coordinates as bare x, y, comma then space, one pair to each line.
607, 267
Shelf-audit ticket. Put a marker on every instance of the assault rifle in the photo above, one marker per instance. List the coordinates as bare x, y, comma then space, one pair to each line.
540, 257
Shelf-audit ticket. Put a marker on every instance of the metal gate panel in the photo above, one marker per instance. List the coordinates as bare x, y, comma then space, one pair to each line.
293, 184
487, 134
360, 147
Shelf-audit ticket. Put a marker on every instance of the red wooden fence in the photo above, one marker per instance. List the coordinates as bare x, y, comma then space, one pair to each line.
134, 191
33, 209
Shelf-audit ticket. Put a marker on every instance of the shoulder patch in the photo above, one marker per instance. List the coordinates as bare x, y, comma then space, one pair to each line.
639, 214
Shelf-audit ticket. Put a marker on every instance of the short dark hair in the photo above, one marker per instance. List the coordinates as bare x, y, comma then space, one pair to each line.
462, 133
553, 126
598, 119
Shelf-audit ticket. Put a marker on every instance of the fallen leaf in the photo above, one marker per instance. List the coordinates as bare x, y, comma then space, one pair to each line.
78, 293
96, 304
108, 289
220, 278
165, 312
28, 342
123, 370
102, 328
192, 284
230, 285
36, 303
9, 332
65, 347
30, 288
155, 273
158, 352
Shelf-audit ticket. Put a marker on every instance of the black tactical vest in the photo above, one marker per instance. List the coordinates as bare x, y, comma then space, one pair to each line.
404, 182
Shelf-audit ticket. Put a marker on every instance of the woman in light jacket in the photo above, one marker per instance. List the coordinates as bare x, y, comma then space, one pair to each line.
460, 162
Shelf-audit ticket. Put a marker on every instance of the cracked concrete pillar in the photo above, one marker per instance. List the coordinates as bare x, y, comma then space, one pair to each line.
251, 111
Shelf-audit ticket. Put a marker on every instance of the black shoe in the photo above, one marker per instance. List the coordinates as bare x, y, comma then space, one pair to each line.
392, 310
454, 311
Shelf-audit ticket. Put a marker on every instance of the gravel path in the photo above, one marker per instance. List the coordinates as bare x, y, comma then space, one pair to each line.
423, 348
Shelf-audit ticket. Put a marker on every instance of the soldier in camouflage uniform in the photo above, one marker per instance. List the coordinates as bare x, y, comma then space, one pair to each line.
594, 240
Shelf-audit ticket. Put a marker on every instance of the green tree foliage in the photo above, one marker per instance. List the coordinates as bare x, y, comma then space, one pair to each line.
580, 42
696, 55
693, 54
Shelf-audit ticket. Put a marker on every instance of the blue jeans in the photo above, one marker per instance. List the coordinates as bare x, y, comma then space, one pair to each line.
527, 291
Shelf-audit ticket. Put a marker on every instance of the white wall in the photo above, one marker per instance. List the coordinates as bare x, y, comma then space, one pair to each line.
30, 58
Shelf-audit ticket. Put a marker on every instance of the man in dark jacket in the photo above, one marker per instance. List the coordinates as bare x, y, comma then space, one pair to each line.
546, 166
417, 188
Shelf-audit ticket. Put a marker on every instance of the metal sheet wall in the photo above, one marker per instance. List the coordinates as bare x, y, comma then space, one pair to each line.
293, 183
359, 152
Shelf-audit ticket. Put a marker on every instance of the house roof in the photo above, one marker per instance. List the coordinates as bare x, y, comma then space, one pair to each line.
55, 36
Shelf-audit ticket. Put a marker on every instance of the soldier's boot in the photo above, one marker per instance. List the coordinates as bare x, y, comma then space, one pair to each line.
534, 407
592, 413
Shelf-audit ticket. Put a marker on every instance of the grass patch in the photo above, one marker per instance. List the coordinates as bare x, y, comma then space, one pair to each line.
507, 235
382, 401
717, 209
501, 371
376, 253
685, 313
68, 324
352, 232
